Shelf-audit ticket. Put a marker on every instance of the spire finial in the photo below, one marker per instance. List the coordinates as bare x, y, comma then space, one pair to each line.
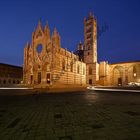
55, 31
27, 44
90, 13
39, 21
47, 24
39, 26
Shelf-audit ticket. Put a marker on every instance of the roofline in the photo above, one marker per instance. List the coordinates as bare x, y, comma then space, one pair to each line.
10, 65
124, 62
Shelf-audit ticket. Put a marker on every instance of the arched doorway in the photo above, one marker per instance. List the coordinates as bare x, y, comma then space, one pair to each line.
133, 73
48, 78
39, 77
117, 76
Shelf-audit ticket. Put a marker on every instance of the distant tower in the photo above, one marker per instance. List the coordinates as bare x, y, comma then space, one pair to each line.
90, 48
80, 51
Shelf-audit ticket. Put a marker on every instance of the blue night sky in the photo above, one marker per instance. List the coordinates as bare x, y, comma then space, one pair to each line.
121, 42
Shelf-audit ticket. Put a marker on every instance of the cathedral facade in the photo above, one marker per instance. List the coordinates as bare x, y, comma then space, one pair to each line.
46, 63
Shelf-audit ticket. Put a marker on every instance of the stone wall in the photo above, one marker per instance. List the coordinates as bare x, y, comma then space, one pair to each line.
119, 74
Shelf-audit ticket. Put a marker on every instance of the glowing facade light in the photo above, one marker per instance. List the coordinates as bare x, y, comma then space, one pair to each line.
134, 74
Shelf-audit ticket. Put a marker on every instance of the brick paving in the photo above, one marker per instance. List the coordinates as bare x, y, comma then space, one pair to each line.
77, 116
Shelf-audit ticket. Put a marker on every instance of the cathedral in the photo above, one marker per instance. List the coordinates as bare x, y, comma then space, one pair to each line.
47, 64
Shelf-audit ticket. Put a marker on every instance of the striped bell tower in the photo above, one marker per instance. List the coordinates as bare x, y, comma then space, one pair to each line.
90, 48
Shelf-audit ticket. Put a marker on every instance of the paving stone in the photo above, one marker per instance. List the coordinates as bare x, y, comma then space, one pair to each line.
70, 117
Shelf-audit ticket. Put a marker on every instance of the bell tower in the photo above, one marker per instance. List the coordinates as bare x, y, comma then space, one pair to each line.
90, 36
90, 48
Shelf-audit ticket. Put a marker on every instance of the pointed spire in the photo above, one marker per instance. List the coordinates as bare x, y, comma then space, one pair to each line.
56, 38
39, 24
38, 31
80, 46
47, 31
91, 15
58, 34
27, 44
47, 25
55, 31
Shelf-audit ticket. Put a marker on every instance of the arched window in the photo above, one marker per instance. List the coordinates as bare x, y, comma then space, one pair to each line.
78, 68
71, 66
90, 71
63, 65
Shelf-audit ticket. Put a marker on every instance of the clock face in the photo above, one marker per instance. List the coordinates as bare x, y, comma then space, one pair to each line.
39, 48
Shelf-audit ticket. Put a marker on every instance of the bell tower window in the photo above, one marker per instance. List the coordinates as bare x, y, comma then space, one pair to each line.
90, 71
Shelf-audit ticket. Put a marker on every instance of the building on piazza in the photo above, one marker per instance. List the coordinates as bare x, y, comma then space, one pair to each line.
10, 75
119, 74
46, 63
